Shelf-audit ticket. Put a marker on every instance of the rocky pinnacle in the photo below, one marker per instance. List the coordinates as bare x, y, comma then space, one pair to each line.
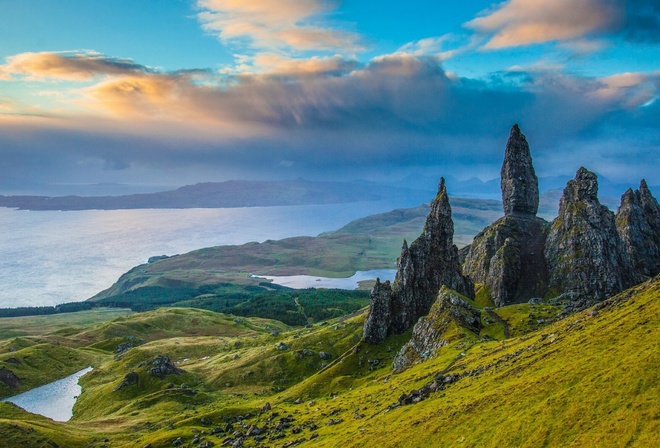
430, 262
586, 257
520, 186
638, 225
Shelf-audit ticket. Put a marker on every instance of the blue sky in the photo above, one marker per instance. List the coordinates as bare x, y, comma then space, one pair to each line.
184, 91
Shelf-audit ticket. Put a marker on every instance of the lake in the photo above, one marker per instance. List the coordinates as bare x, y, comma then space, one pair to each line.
52, 257
54, 400
310, 281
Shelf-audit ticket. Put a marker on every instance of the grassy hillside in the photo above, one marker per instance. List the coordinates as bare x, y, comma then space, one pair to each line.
590, 379
373, 242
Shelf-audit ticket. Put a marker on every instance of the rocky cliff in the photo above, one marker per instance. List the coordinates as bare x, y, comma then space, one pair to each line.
638, 225
507, 256
430, 262
587, 259
449, 318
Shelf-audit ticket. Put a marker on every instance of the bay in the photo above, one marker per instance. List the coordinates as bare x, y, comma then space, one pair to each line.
53, 400
52, 257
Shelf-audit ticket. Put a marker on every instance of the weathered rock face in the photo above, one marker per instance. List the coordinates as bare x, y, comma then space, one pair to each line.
520, 186
450, 316
430, 262
586, 257
9, 378
378, 322
507, 256
638, 225
162, 365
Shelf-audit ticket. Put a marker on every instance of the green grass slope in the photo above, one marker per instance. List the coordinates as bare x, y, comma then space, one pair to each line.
590, 379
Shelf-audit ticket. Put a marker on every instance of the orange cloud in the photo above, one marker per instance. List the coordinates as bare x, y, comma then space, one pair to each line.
525, 22
70, 66
282, 24
278, 65
629, 89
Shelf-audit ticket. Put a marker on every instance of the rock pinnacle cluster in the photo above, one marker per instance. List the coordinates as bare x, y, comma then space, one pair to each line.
585, 255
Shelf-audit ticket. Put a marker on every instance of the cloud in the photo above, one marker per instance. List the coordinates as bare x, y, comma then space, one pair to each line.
577, 24
277, 65
68, 65
524, 22
631, 90
642, 22
296, 25
434, 47
322, 116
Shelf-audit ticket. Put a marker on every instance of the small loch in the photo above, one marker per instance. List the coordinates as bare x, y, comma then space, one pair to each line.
54, 400
310, 281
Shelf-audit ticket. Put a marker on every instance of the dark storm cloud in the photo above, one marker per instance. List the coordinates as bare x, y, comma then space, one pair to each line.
397, 114
642, 21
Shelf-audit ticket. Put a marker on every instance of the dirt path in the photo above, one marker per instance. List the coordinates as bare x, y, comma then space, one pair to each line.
496, 317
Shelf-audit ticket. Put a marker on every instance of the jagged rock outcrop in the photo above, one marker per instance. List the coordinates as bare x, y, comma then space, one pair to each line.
130, 379
508, 256
638, 225
450, 316
520, 186
9, 378
430, 262
586, 257
162, 365
378, 322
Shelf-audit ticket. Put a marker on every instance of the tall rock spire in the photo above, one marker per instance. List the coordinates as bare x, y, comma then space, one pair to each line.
430, 262
520, 186
507, 256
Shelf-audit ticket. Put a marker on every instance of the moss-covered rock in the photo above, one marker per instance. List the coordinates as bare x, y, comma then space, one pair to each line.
450, 317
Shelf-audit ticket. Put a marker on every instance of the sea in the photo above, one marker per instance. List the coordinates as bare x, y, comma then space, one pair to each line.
53, 257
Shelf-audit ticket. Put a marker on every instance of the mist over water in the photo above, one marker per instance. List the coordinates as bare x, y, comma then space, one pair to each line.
52, 257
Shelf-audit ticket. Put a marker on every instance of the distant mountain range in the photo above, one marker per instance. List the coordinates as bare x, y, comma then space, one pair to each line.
406, 192
226, 194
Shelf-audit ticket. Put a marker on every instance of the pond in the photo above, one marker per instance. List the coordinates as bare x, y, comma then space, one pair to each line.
310, 281
54, 400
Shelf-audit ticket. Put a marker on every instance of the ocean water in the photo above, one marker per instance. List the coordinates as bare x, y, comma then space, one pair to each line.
52, 257
54, 400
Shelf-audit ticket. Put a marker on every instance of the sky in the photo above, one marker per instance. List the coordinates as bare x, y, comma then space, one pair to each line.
167, 93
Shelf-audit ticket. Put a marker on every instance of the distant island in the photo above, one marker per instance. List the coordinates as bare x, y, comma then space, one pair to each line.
233, 193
